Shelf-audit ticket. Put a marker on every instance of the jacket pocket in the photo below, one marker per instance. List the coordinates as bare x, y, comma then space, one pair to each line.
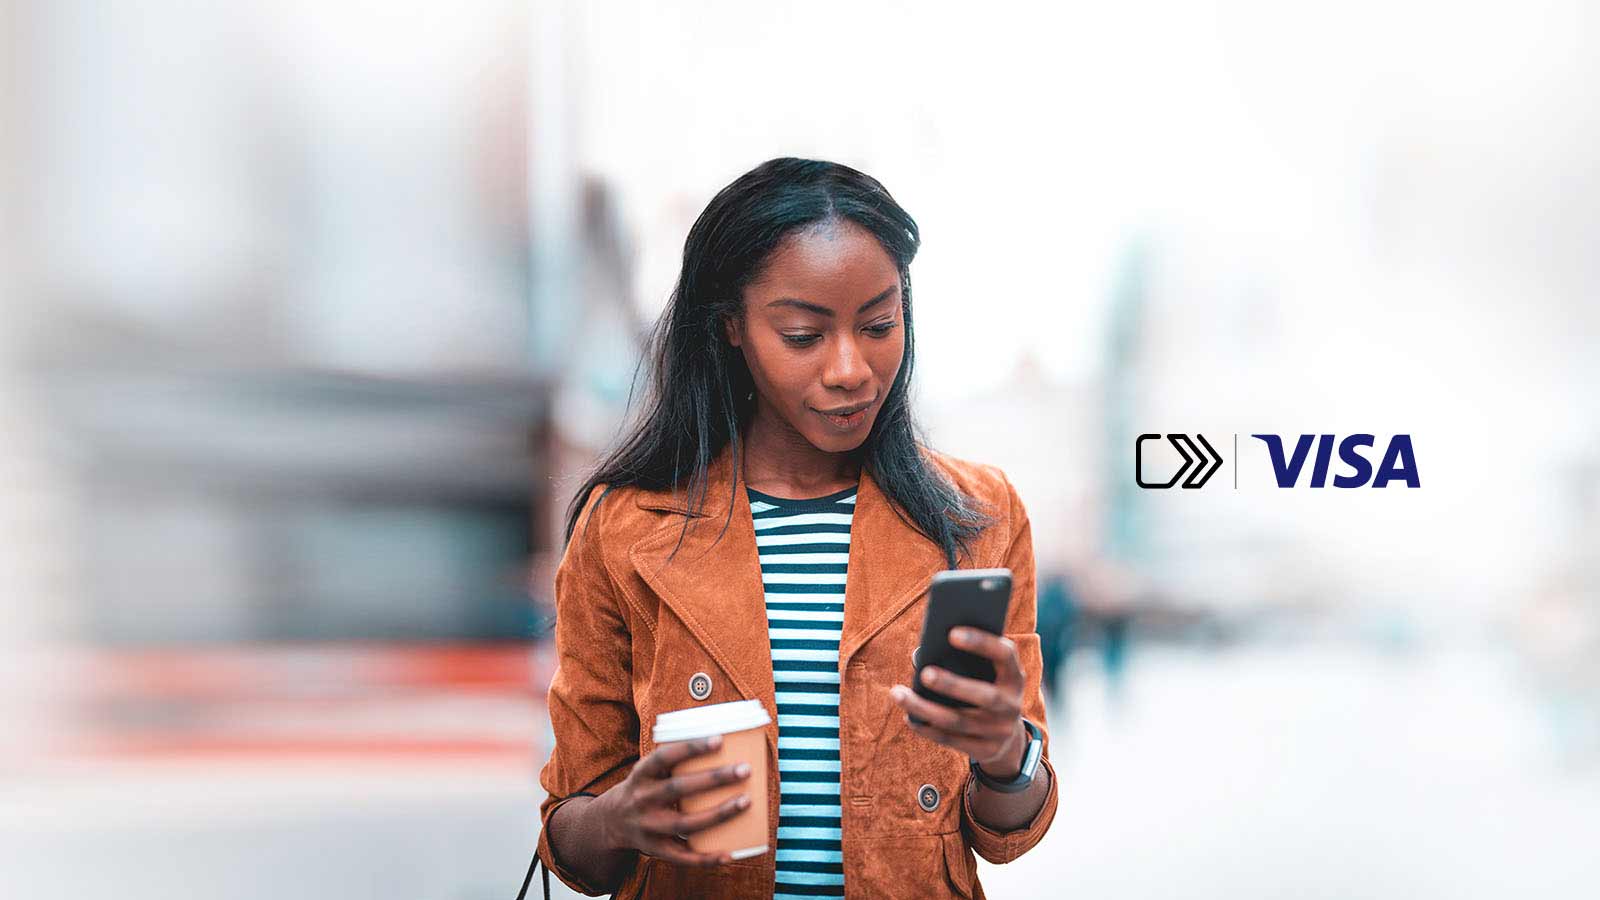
911, 867
663, 880
959, 865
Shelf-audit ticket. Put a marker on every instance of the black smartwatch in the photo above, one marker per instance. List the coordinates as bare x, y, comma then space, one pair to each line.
1030, 764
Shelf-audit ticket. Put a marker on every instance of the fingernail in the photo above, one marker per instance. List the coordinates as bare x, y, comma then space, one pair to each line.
960, 636
714, 742
929, 677
742, 769
897, 692
744, 801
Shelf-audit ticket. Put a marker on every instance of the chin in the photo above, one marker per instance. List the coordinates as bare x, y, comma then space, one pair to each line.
835, 445
839, 443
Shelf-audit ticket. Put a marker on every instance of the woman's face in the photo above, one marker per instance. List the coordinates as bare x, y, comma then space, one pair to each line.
823, 335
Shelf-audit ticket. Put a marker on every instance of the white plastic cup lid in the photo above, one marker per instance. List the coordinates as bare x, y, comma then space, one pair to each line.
704, 721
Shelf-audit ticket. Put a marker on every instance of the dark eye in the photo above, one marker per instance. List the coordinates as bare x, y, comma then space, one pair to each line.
882, 328
801, 340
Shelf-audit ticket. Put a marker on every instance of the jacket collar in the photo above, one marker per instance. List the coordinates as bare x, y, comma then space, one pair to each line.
714, 582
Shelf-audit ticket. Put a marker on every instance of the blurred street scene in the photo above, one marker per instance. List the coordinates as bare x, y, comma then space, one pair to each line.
313, 314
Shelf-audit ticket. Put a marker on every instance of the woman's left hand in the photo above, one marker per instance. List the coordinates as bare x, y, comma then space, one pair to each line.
991, 730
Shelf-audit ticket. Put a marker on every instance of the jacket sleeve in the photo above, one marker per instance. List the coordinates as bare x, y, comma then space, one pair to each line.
997, 846
590, 702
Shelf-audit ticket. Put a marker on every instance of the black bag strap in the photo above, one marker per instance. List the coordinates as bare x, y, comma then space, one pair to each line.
529, 878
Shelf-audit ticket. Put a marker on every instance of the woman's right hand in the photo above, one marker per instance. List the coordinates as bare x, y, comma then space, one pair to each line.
641, 812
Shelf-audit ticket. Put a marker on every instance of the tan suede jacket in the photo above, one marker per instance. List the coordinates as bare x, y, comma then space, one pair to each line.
633, 629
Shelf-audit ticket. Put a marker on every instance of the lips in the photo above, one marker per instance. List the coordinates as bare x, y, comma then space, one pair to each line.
846, 418
845, 410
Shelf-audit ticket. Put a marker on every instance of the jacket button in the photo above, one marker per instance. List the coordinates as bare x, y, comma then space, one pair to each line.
699, 685
928, 798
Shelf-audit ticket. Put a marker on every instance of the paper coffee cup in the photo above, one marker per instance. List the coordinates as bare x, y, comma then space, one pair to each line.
742, 725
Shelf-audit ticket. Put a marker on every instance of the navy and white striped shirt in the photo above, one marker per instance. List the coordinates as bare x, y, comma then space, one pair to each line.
804, 547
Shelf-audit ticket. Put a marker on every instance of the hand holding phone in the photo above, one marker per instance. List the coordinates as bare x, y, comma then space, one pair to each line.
980, 710
977, 598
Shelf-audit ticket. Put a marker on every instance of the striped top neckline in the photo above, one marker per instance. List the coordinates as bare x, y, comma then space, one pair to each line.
790, 504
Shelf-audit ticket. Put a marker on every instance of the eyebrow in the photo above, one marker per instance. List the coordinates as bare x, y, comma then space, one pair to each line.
821, 310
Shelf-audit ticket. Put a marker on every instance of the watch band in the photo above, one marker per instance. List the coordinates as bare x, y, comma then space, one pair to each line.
1030, 764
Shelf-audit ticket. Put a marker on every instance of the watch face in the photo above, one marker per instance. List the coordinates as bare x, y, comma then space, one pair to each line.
1030, 759
1030, 763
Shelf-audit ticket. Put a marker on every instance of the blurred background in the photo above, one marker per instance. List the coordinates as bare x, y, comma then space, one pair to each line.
314, 312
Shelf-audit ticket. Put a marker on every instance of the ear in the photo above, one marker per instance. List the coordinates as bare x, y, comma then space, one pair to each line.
733, 328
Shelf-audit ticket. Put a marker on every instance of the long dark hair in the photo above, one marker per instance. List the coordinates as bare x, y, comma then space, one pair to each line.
699, 383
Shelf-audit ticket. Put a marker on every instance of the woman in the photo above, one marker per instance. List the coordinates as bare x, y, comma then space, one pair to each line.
767, 530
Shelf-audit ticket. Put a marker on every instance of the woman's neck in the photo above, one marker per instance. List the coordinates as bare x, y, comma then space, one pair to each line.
779, 461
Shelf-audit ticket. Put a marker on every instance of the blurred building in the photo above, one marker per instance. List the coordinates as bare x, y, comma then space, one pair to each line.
285, 312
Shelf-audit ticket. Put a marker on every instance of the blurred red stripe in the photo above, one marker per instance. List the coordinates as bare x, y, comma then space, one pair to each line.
320, 700
271, 670
310, 747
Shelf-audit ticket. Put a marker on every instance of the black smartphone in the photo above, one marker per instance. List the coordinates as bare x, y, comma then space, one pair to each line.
973, 597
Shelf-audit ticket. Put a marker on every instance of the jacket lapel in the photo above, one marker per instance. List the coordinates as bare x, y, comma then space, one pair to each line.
891, 564
713, 583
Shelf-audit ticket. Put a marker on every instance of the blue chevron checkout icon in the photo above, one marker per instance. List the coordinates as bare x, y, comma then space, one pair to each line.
1208, 458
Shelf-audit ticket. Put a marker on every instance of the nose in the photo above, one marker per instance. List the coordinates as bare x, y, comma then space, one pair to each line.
846, 367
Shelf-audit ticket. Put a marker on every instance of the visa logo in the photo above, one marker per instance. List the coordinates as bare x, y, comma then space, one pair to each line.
1399, 460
